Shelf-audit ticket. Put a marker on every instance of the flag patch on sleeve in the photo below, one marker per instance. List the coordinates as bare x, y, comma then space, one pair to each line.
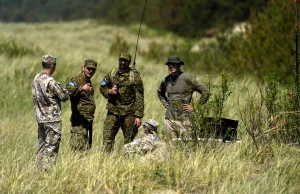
72, 83
104, 82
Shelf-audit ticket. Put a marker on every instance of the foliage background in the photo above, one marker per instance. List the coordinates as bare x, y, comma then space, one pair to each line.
266, 45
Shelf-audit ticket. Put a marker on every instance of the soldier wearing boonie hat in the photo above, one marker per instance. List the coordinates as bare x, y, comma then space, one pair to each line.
124, 90
150, 146
178, 104
47, 95
83, 107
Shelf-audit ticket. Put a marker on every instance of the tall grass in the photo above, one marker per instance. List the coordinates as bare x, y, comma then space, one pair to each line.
211, 168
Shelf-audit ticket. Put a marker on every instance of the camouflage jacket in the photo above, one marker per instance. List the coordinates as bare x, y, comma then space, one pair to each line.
47, 94
130, 98
151, 145
82, 102
179, 91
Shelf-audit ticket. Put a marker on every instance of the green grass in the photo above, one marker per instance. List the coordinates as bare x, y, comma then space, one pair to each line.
212, 168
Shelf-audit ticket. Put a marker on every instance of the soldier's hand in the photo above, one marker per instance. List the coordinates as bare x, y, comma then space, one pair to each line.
166, 105
86, 87
187, 107
137, 122
113, 91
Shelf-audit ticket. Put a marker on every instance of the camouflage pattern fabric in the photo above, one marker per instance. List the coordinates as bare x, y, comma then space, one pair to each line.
130, 99
124, 55
179, 91
178, 129
112, 124
82, 102
47, 96
49, 135
49, 59
151, 147
83, 108
81, 135
123, 107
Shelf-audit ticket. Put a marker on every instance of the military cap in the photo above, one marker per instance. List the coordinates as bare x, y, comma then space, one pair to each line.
49, 58
174, 59
124, 55
90, 63
151, 124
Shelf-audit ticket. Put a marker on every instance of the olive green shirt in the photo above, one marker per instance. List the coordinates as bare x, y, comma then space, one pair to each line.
179, 90
82, 102
130, 98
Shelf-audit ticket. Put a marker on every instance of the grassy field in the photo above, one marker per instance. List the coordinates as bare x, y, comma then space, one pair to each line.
212, 168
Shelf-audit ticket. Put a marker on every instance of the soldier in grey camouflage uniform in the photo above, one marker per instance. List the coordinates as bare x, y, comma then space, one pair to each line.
83, 107
179, 88
151, 146
47, 95
124, 90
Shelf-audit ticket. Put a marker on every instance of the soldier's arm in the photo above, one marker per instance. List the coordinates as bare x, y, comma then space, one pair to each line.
58, 90
105, 85
202, 89
139, 97
161, 93
146, 146
73, 87
133, 146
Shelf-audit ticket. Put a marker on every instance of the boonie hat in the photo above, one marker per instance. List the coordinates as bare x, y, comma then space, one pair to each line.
174, 59
90, 63
151, 124
124, 55
49, 58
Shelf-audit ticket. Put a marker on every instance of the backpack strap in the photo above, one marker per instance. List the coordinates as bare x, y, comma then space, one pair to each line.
112, 74
131, 74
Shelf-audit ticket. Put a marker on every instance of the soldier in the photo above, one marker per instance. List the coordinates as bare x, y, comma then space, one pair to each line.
83, 107
151, 146
47, 95
179, 87
123, 87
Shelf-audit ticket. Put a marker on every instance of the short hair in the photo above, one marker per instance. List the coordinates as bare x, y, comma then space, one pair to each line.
47, 65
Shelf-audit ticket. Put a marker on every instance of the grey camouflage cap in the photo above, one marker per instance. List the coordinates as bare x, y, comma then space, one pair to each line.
49, 58
151, 124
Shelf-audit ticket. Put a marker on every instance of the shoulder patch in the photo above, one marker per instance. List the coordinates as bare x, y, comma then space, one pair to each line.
104, 82
72, 83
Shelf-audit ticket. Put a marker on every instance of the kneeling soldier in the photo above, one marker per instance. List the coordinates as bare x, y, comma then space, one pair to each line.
151, 146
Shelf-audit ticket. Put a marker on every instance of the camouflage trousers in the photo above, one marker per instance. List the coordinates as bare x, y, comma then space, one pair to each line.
177, 129
49, 135
81, 135
111, 127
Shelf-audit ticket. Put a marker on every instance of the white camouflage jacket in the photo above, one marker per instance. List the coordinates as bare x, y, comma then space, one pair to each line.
47, 95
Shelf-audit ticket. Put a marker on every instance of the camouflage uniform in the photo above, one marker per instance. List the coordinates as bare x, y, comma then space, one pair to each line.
123, 107
179, 91
47, 96
83, 108
151, 146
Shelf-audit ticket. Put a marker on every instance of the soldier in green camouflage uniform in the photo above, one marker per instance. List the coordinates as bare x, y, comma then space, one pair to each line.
83, 107
151, 146
124, 90
179, 88
47, 95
